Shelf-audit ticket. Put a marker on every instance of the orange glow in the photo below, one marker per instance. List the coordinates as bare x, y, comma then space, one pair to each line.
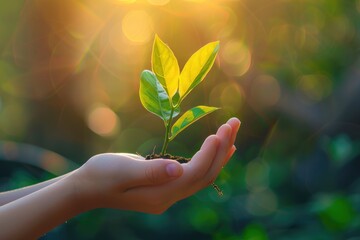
137, 26
126, 1
198, 1
159, 2
53, 162
70, 76
103, 121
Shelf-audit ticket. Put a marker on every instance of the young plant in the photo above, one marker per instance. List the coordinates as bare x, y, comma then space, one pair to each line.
164, 88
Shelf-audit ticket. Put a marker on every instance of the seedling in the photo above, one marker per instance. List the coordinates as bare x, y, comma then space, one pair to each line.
163, 89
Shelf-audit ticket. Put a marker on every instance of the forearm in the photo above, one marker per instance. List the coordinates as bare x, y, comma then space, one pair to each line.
35, 214
9, 196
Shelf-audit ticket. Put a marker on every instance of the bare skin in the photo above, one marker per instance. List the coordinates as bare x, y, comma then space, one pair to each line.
114, 180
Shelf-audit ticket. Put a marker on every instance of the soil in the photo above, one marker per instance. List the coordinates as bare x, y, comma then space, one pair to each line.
180, 160
168, 156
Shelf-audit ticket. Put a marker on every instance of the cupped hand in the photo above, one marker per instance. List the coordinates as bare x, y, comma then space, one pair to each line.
128, 182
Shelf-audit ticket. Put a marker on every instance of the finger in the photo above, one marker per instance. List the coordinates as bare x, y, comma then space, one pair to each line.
235, 125
234, 122
224, 135
202, 160
152, 172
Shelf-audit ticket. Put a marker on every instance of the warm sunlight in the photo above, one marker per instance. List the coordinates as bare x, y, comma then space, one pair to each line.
79, 78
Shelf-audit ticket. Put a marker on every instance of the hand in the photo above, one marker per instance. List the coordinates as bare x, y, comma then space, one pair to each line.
128, 182
105, 178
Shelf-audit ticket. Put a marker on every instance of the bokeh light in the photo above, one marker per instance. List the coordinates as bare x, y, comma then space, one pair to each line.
232, 97
262, 202
237, 58
315, 86
205, 219
137, 26
257, 175
103, 121
53, 162
265, 91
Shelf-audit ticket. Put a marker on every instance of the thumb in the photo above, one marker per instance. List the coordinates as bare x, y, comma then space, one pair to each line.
154, 172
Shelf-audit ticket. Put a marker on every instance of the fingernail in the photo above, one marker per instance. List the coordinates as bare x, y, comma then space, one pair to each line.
173, 170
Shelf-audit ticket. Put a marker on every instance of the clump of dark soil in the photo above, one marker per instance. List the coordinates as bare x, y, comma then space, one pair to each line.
180, 160
168, 156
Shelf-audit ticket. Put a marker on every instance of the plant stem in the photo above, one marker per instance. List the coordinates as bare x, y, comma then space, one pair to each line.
167, 131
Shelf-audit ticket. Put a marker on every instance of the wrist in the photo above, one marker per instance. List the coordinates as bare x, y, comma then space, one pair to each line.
81, 195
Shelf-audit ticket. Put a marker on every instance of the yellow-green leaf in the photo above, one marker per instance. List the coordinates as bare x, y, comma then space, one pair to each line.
153, 95
189, 117
197, 67
165, 66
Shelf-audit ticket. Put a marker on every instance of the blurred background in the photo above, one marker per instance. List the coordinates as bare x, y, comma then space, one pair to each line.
290, 70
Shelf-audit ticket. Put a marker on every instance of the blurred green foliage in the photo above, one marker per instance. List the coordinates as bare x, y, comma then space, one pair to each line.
69, 80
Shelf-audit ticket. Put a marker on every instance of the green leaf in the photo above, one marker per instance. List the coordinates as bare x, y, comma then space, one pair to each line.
165, 66
197, 67
189, 117
153, 95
